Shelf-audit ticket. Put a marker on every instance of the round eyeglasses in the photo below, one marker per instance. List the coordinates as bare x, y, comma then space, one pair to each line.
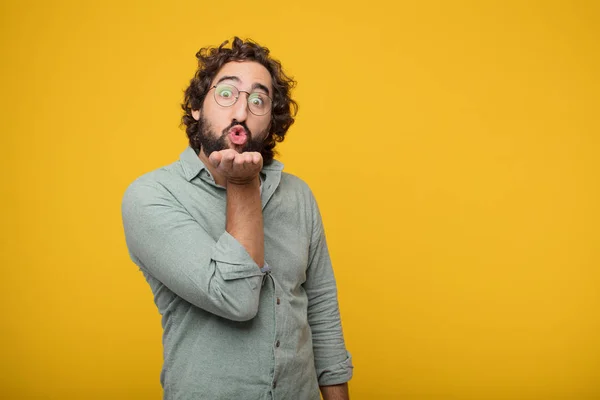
227, 95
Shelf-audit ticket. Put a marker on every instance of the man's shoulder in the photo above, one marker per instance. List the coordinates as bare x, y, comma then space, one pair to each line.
296, 190
157, 181
294, 183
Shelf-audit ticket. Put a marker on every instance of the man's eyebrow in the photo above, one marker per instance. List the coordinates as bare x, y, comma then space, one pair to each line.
238, 80
228, 77
261, 87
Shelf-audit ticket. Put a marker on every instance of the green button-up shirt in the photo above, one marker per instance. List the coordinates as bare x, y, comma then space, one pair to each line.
233, 329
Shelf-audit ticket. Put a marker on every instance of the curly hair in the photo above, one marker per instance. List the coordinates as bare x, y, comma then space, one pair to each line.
210, 61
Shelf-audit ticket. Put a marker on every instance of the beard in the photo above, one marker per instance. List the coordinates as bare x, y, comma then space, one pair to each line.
210, 141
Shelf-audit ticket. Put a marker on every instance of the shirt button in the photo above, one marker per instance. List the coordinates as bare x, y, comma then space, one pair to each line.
274, 385
278, 301
277, 343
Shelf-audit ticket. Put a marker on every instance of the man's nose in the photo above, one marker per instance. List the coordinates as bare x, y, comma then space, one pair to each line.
240, 108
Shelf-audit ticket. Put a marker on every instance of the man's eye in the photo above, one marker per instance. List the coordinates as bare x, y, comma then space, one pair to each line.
225, 93
256, 100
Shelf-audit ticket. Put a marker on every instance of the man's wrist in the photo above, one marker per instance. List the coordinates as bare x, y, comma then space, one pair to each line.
243, 183
335, 392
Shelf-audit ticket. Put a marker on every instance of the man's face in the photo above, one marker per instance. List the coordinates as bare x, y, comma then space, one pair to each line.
235, 126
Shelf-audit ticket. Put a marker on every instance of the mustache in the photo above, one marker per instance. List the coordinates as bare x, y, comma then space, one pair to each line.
235, 123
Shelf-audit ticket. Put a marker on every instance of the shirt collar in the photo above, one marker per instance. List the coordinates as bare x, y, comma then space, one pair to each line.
191, 163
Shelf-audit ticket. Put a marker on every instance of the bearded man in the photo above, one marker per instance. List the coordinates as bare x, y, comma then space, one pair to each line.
234, 248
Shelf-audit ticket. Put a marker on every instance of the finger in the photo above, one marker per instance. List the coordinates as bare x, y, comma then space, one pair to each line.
239, 160
248, 158
257, 158
227, 159
229, 154
215, 158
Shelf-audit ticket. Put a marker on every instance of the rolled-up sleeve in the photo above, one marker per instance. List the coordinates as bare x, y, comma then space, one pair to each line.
333, 362
165, 241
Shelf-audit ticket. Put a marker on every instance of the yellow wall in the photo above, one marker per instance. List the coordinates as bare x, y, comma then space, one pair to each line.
452, 146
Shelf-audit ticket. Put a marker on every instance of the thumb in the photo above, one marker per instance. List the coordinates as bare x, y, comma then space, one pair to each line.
215, 158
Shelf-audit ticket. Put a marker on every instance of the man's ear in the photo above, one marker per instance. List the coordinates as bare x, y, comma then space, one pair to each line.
196, 114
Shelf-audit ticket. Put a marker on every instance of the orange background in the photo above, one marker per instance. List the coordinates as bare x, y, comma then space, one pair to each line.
452, 146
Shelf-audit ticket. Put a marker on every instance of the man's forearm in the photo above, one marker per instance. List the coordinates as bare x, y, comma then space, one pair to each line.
245, 219
335, 392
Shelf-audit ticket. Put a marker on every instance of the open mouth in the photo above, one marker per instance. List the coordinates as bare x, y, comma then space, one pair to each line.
237, 135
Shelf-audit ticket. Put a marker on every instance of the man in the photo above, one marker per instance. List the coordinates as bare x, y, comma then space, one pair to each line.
234, 249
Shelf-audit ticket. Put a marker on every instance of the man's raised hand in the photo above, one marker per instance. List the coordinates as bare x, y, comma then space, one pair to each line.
237, 168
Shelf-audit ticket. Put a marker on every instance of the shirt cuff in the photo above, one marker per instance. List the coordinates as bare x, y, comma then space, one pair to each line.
336, 374
233, 261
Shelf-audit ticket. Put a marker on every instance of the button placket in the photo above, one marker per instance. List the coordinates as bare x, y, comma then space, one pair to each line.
276, 311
